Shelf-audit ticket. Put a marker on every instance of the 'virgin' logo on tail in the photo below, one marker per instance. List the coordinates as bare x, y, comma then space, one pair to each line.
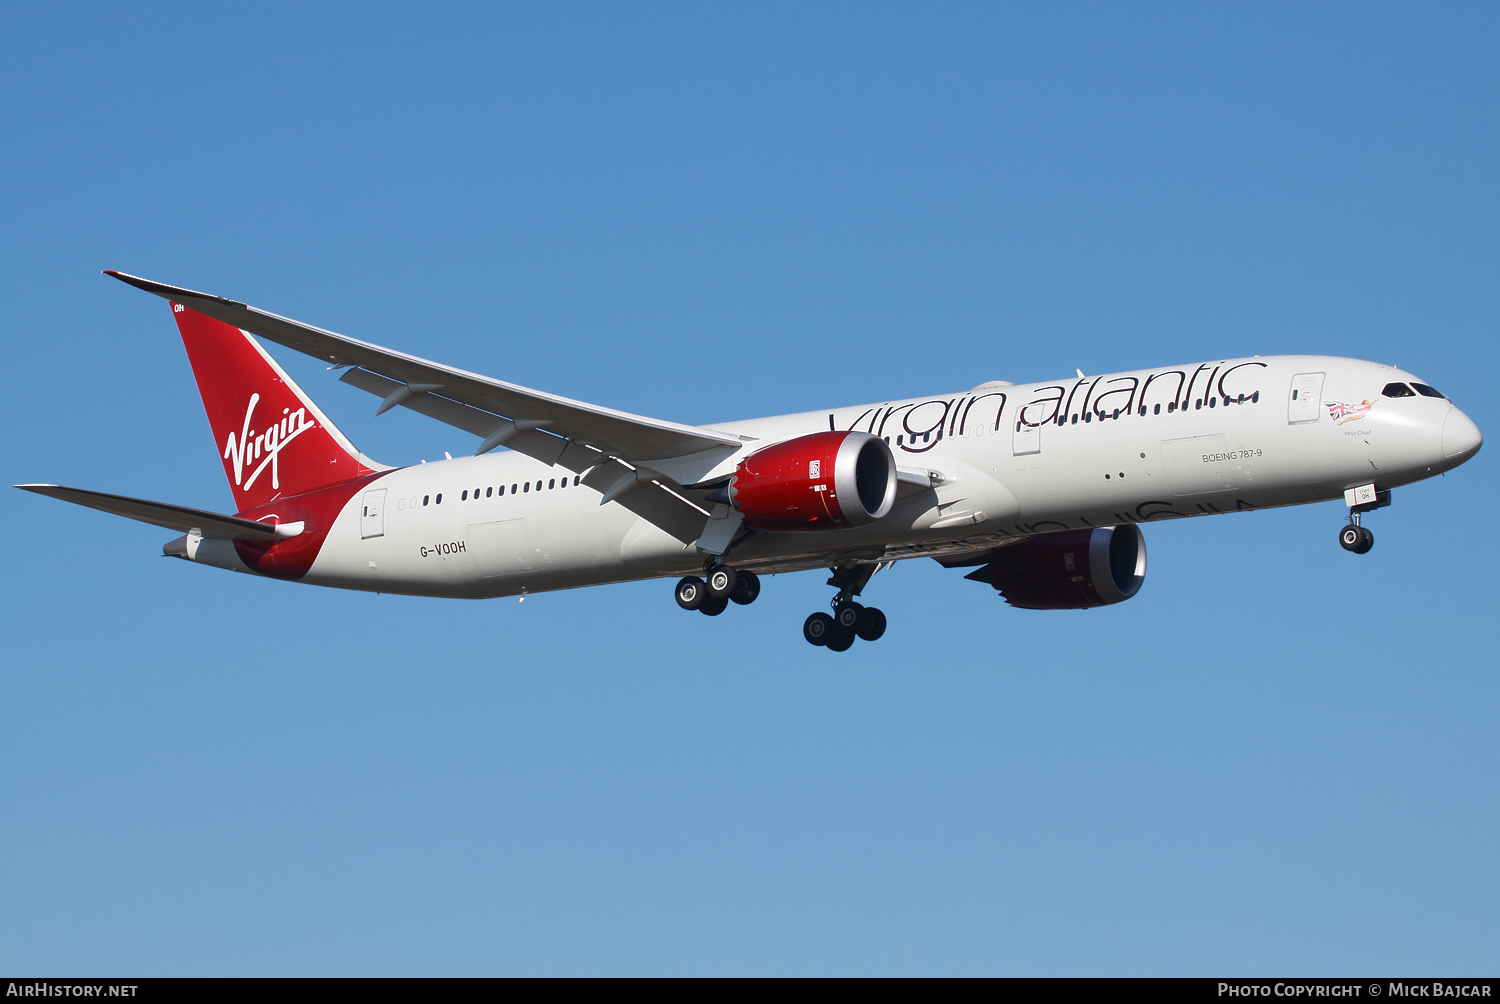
251, 445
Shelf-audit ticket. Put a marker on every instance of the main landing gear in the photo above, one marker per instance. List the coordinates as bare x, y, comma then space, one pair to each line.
722, 585
850, 620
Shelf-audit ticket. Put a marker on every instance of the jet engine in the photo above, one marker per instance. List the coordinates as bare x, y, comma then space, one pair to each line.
818, 482
1071, 570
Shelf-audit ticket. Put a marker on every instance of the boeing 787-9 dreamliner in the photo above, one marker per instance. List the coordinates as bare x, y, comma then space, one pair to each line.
1040, 489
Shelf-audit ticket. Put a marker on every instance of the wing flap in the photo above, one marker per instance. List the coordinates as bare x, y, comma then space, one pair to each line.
173, 517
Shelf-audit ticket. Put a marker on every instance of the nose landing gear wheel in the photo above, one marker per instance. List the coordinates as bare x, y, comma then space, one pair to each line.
1356, 538
691, 592
818, 628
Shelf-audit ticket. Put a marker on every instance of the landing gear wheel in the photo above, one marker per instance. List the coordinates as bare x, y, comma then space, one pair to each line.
691, 592
747, 589
840, 640
871, 624
722, 580
1367, 541
846, 615
714, 605
818, 628
1351, 537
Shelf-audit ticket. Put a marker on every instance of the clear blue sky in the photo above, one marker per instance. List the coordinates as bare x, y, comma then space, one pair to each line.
1278, 758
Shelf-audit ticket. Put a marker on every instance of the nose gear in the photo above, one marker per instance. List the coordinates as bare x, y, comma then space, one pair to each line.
1365, 498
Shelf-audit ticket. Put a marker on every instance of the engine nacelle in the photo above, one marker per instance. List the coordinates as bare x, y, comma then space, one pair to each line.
818, 482
1071, 570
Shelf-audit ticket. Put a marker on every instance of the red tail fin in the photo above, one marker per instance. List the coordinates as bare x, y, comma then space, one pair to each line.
274, 441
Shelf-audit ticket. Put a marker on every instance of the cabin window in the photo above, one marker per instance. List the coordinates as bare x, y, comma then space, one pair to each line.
489, 491
552, 483
1212, 401
1425, 390
1156, 410
1075, 419
526, 487
502, 489
512, 489
425, 498
899, 440
439, 499
563, 483
1171, 407
887, 440
465, 496
1198, 404
575, 479
1398, 390
1255, 398
539, 485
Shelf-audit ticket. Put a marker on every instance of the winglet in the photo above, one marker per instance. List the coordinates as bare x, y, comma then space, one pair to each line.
170, 292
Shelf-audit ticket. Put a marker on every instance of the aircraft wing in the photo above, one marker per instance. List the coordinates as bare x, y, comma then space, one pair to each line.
173, 517
533, 422
641, 463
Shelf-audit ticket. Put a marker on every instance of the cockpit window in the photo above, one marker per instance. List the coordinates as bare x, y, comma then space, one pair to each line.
1397, 390
1425, 390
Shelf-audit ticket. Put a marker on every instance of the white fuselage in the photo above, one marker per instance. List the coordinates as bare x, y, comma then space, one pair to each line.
1008, 468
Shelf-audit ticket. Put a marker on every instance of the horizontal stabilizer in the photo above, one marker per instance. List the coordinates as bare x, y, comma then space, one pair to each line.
173, 517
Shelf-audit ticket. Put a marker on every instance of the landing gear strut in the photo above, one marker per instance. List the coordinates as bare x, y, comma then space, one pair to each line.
723, 584
1366, 498
850, 620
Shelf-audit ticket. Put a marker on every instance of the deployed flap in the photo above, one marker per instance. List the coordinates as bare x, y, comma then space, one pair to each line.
173, 517
615, 433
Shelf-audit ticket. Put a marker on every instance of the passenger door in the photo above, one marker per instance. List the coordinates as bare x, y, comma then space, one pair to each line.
372, 516
1027, 438
1305, 400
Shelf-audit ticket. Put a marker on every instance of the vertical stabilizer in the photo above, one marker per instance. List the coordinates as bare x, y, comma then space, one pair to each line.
272, 439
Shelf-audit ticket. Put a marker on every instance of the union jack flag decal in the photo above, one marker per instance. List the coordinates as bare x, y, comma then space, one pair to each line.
1342, 411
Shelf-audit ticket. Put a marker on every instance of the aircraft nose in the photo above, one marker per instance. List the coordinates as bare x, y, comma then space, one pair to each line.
1461, 437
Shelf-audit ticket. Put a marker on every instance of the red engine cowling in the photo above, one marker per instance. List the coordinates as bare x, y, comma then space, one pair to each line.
818, 482
1072, 570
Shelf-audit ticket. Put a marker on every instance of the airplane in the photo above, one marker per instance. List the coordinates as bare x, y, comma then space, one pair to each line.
1040, 489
